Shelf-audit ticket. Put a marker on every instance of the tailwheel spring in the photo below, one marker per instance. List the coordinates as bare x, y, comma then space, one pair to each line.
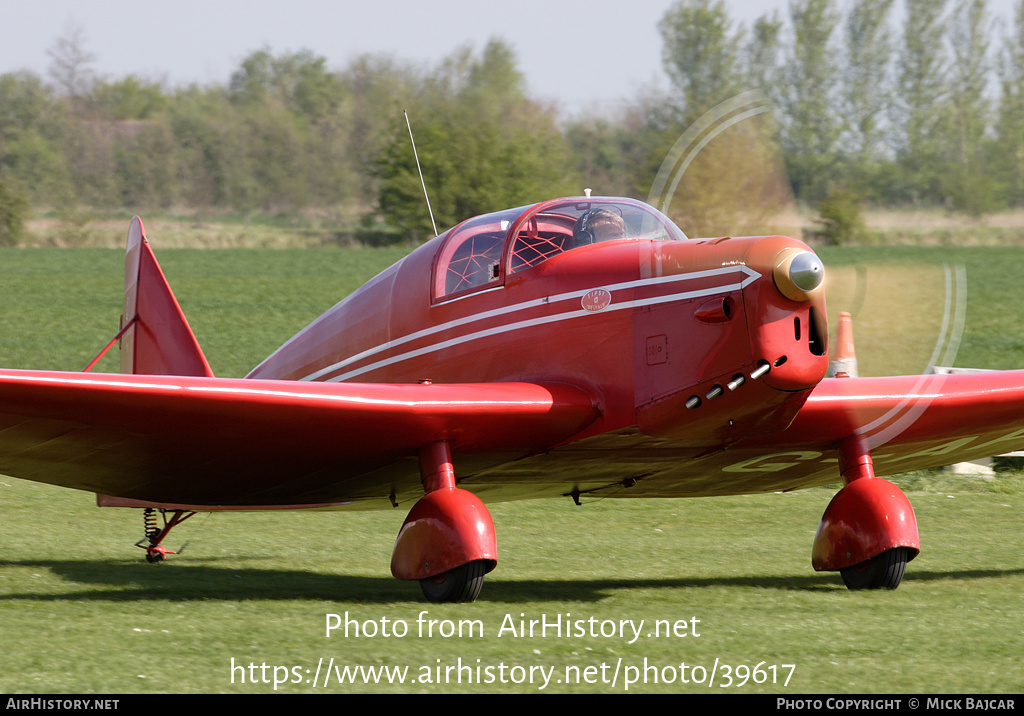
155, 534
149, 524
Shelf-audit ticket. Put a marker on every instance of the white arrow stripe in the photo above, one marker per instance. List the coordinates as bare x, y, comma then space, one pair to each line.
750, 276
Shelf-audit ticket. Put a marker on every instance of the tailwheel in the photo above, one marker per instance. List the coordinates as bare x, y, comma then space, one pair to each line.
462, 584
883, 571
156, 554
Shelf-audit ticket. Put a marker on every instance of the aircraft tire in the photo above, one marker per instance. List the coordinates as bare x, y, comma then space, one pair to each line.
883, 571
462, 584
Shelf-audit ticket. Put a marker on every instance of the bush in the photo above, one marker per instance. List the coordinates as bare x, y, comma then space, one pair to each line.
839, 218
14, 208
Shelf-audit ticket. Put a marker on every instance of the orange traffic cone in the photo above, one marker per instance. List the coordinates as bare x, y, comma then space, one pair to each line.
845, 363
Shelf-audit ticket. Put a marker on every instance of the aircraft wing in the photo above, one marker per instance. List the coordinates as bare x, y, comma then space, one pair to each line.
913, 422
212, 441
196, 441
909, 423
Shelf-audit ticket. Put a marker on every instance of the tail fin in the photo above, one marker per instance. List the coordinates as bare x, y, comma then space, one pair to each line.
159, 341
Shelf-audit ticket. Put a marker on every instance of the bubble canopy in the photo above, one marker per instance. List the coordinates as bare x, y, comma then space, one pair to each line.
479, 252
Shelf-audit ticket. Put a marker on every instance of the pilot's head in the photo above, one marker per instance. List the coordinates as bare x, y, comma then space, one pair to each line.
598, 225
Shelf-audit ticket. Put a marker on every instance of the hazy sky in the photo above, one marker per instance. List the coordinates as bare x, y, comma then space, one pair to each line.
579, 53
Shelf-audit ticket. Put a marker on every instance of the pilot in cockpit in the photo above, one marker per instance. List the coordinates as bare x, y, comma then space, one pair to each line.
597, 225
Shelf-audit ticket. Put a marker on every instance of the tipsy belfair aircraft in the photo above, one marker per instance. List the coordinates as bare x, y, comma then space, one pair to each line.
576, 347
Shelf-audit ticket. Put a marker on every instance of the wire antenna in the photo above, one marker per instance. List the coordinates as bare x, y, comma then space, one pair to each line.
423, 183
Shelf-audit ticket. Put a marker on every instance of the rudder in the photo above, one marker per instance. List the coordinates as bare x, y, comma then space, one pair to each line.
159, 341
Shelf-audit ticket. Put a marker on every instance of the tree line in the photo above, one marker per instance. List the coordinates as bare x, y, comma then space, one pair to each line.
927, 112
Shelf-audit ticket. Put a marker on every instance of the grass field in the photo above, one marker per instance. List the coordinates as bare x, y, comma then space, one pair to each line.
80, 611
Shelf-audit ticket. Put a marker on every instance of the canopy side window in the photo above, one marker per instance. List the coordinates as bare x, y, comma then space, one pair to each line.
470, 257
475, 262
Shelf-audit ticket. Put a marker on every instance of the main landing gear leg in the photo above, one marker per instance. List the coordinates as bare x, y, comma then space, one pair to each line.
447, 542
868, 532
155, 551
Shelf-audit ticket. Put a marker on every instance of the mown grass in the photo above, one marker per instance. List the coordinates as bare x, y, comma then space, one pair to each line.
80, 611
898, 295
59, 307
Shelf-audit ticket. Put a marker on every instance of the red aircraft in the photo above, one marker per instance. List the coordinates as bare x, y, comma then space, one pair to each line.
577, 347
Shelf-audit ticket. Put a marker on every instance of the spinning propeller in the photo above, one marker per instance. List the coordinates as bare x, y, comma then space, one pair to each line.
725, 176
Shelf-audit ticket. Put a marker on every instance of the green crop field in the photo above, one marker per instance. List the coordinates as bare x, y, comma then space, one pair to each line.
699, 596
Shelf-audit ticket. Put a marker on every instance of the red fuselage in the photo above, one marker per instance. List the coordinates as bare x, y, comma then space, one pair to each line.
665, 334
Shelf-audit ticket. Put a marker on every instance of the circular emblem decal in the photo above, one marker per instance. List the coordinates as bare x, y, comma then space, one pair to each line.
596, 300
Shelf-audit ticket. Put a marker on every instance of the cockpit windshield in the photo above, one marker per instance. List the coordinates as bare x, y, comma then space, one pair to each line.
472, 253
562, 225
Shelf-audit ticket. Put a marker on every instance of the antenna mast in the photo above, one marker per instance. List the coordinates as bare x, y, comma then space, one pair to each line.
423, 183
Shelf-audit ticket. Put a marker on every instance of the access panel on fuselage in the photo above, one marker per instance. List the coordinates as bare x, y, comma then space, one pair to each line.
675, 351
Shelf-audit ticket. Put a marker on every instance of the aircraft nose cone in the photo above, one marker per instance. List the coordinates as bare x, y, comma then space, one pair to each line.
806, 272
798, 273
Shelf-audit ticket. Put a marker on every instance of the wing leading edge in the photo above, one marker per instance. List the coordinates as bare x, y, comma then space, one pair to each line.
223, 442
